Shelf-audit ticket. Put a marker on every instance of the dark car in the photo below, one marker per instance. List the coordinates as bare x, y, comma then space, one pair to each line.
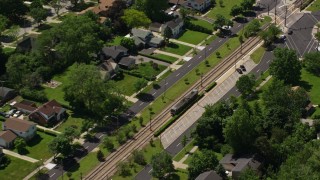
243, 68
239, 70
290, 32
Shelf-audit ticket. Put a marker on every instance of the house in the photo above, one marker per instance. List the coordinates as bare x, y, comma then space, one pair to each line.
138, 42
157, 27
22, 128
7, 138
209, 175
108, 69
6, 94
127, 63
24, 106
103, 7
27, 44
147, 37
114, 52
235, 165
199, 5
177, 2
48, 113
176, 26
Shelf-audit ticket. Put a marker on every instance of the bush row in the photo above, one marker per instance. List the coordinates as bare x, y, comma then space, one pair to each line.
138, 74
305, 4
47, 132
34, 95
195, 27
211, 86
157, 58
174, 118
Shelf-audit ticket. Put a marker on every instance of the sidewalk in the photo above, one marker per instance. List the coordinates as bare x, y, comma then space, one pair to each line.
183, 43
48, 129
14, 154
168, 54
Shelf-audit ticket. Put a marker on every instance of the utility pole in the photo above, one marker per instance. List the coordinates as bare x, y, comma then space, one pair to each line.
285, 17
201, 79
300, 5
268, 9
275, 13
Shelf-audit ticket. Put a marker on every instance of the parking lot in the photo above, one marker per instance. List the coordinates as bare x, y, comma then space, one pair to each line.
196, 111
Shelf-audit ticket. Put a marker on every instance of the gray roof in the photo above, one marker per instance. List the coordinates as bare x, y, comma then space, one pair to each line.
143, 34
209, 175
127, 61
155, 25
137, 41
241, 162
114, 51
156, 40
4, 91
174, 23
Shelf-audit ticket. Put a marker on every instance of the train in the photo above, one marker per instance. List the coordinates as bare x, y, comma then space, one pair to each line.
177, 108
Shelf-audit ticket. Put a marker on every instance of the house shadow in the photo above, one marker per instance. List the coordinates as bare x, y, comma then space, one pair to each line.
145, 97
24, 151
173, 45
35, 140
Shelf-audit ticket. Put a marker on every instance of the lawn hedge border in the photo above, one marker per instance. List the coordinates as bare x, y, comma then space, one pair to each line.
157, 58
139, 75
211, 86
194, 27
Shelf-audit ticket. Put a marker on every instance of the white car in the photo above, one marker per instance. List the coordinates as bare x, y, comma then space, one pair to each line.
170, 13
17, 114
173, 8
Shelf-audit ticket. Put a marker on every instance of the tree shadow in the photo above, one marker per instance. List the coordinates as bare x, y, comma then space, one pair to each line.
42, 176
240, 19
43, 27
81, 6
145, 97
34, 141
156, 86
6, 39
70, 165
173, 45
23, 151
305, 85
249, 14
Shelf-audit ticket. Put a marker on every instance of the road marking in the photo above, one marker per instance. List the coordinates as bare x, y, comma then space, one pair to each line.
141, 104
200, 57
178, 144
258, 70
100, 136
210, 49
87, 147
239, 25
268, 61
52, 174
189, 65
178, 74
166, 84
150, 171
237, 90
154, 93
280, 6
220, 40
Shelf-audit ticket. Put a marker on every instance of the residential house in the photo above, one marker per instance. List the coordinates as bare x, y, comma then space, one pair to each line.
140, 44
127, 63
108, 69
27, 44
236, 165
49, 113
6, 94
22, 128
24, 106
176, 26
209, 175
199, 5
114, 52
7, 138
177, 2
147, 37
157, 27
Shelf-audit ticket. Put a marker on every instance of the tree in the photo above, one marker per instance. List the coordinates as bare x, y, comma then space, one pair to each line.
100, 155
139, 158
220, 109
167, 34
184, 141
18, 69
140, 83
247, 4
270, 35
20, 144
245, 84
124, 169
57, 6
107, 143
235, 10
3, 23
37, 12
161, 164
317, 35
286, 66
155, 11
71, 133
129, 44
252, 28
60, 144
249, 174
240, 131
184, 12
221, 21
312, 62
13, 10
201, 162
134, 18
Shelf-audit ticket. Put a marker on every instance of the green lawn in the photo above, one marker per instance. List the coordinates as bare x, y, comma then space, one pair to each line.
115, 41
176, 48
125, 83
315, 6
312, 85
184, 151
73, 120
192, 37
224, 10
258, 54
147, 70
8, 51
37, 148
210, 39
165, 57
201, 23
17, 169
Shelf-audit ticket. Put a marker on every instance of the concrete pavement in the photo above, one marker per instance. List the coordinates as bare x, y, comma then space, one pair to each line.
14, 154
168, 54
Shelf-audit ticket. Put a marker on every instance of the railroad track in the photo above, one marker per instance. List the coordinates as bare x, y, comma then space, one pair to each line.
109, 166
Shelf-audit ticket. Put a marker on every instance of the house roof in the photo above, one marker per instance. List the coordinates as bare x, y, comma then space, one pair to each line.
241, 162
108, 66
137, 41
155, 25
18, 124
174, 23
177, 1
127, 61
8, 136
156, 40
209, 175
114, 51
143, 34
27, 107
50, 108
104, 5
4, 91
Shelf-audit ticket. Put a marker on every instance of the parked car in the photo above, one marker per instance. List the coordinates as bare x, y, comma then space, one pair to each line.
243, 68
239, 70
17, 114
11, 112
283, 37
170, 13
290, 32
173, 8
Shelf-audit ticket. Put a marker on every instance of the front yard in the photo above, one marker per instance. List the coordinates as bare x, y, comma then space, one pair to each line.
73, 120
147, 69
201, 23
192, 37
17, 169
176, 48
125, 83
165, 57
223, 10
312, 85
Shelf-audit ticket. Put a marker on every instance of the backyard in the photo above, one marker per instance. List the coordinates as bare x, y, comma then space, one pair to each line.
148, 70
115, 41
176, 48
193, 37
125, 83
223, 10
17, 169
73, 120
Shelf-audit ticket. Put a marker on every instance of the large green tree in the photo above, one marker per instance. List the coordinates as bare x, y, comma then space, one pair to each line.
155, 11
134, 18
13, 10
312, 62
3, 23
252, 28
286, 66
270, 35
161, 165
245, 84
62, 145
39, 14
201, 162
221, 21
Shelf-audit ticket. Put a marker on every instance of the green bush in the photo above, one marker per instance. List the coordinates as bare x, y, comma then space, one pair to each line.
211, 86
34, 95
198, 28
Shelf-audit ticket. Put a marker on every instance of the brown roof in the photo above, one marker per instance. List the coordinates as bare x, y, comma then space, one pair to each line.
103, 6
50, 107
24, 106
8, 136
18, 124
177, 1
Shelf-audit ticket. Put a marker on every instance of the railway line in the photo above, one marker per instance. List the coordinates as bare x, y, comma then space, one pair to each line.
109, 166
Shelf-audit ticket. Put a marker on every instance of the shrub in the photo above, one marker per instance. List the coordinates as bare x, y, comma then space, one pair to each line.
34, 95
139, 158
108, 144
100, 156
195, 27
124, 169
121, 138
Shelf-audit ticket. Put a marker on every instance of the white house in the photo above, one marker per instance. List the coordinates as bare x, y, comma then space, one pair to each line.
22, 128
157, 27
7, 138
199, 5
176, 26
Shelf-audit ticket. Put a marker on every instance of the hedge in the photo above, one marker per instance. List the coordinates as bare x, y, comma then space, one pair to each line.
153, 57
211, 86
195, 27
137, 74
174, 118
47, 132
305, 4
